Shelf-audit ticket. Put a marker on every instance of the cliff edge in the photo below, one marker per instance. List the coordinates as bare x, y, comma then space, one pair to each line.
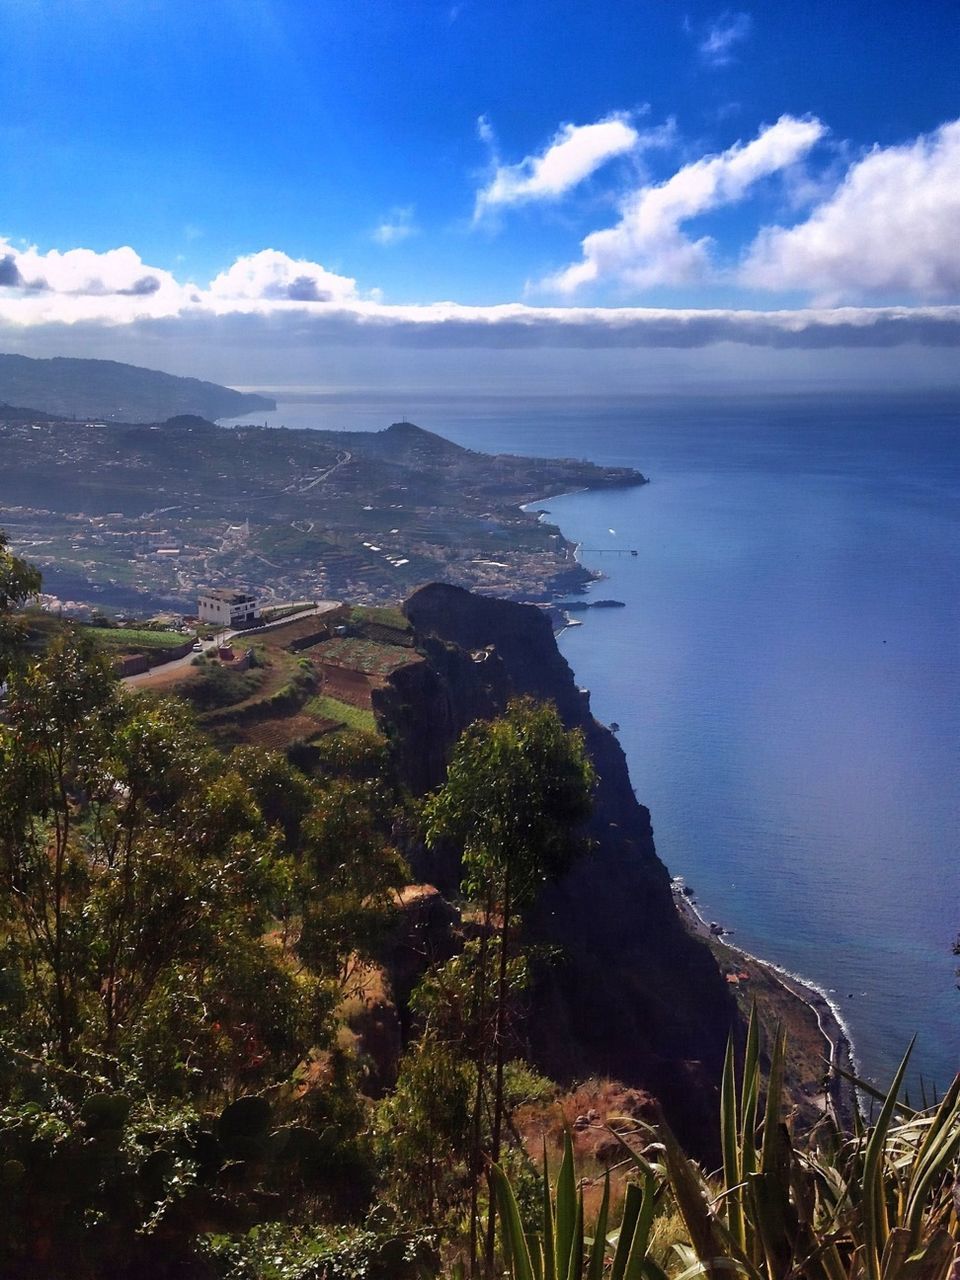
633, 995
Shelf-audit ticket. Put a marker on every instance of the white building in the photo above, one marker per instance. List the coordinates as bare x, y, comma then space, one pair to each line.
224, 608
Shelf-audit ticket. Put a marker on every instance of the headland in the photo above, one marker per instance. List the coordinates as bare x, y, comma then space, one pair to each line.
138, 517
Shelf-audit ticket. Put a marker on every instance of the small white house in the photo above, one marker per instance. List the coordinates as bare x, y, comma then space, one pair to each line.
224, 608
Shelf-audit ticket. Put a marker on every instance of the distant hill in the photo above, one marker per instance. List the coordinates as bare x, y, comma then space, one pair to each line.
17, 413
120, 392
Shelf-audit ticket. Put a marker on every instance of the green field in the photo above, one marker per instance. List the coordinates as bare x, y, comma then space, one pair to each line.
325, 708
381, 615
134, 637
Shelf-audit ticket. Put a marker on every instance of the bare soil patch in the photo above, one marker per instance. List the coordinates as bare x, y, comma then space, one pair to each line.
353, 687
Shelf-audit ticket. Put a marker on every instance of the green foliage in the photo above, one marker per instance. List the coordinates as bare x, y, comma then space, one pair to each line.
423, 1131
18, 582
281, 1252
558, 1247
134, 639
343, 1160
380, 616
876, 1205
120, 1187
217, 686
350, 753
327, 708
176, 928
144, 873
283, 795
349, 875
447, 1001
516, 790
137, 870
290, 695
523, 1085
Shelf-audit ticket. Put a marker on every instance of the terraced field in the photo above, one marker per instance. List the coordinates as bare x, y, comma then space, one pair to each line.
306, 690
326, 708
281, 732
131, 638
369, 656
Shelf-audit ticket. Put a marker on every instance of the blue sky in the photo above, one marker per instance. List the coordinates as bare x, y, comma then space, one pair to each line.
602, 169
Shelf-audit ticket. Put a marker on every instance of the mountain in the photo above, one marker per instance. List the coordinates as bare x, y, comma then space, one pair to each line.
110, 390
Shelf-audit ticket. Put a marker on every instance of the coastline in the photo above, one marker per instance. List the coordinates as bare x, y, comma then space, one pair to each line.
837, 1049
840, 1049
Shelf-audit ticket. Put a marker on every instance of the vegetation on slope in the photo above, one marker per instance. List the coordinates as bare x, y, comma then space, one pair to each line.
879, 1204
201, 952
326, 708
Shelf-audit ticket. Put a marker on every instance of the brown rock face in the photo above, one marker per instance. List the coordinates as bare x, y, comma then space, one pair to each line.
632, 996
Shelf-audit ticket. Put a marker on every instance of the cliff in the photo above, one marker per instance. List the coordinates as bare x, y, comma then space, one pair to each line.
633, 996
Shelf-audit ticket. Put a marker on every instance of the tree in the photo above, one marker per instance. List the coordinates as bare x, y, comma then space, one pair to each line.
138, 874
18, 582
424, 1127
517, 790
348, 875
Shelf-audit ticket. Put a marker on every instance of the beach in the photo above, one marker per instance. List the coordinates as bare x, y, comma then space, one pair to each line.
812, 1068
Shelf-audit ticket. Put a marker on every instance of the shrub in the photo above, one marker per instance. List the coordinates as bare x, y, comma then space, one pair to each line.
875, 1205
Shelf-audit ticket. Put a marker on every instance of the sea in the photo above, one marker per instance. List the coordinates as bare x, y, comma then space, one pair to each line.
785, 674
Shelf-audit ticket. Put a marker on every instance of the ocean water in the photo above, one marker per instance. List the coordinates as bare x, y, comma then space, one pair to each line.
786, 672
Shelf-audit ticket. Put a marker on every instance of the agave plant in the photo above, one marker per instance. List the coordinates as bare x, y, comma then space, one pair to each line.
879, 1204
561, 1250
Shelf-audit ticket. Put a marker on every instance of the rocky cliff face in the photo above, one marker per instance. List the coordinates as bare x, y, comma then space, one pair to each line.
633, 996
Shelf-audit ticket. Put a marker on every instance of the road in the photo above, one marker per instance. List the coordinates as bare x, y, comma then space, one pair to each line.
161, 675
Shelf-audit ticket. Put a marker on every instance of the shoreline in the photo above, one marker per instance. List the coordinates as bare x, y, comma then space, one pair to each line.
836, 1035
841, 1051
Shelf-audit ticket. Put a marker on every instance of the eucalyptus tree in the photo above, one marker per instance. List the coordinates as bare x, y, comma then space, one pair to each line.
517, 790
18, 582
137, 872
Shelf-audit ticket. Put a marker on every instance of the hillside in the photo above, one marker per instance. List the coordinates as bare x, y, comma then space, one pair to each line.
634, 997
122, 392
139, 516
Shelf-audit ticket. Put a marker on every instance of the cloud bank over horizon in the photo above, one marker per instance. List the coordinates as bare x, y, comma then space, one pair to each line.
871, 261
277, 294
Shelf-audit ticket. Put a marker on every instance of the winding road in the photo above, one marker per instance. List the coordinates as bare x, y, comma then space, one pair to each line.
161, 675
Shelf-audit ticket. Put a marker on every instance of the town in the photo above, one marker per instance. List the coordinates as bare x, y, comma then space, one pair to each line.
137, 518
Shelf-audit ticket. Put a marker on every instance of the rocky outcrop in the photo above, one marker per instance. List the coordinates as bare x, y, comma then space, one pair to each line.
632, 996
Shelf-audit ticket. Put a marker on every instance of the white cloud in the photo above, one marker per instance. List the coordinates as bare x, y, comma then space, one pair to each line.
397, 225
647, 246
273, 276
485, 131
574, 153
268, 301
891, 228
82, 273
730, 29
